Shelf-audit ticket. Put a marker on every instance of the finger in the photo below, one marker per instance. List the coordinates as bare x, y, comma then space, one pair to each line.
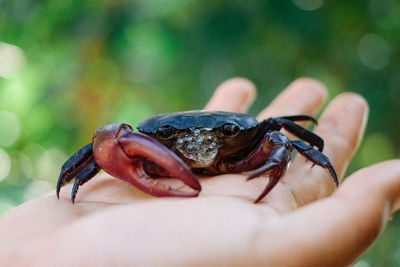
335, 231
303, 96
341, 126
235, 95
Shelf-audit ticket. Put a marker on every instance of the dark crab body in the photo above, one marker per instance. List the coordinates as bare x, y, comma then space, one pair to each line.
204, 139
178, 144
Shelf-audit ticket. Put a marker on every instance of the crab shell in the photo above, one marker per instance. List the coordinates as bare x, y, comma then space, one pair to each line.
230, 147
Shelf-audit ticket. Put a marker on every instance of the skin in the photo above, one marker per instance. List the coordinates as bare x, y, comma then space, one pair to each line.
304, 221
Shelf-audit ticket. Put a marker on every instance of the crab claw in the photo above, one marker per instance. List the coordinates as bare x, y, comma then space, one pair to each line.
120, 151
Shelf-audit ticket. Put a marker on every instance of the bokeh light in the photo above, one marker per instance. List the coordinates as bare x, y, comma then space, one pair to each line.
5, 164
309, 5
374, 51
361, 264
49, 164
10, 128
12, 60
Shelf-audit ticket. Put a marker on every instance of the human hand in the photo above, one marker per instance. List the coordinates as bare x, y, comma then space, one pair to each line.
302, 222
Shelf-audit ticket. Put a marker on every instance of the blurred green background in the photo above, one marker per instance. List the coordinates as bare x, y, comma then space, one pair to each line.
68, 67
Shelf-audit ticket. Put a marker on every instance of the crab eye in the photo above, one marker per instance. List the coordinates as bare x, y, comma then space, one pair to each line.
165, 131
230, 129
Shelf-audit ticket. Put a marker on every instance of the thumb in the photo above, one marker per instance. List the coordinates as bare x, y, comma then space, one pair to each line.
335, 231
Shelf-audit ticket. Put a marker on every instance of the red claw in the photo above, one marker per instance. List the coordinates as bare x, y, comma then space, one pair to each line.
120, 151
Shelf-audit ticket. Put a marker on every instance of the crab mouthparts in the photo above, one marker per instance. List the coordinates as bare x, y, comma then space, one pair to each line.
198, 146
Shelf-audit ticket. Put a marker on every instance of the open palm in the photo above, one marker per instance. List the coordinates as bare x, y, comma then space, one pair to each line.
302, 222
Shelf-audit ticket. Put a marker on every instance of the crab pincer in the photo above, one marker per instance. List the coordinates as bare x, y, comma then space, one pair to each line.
118, 143
120, 152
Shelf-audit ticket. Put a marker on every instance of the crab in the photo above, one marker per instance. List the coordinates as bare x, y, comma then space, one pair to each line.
183, 143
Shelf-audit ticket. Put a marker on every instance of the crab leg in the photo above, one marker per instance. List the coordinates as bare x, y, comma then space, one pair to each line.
276, 148
271, 157
288, 123
316, 157
299, 118
85, 175
276, 167
74, 165
120, 152
301, 132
